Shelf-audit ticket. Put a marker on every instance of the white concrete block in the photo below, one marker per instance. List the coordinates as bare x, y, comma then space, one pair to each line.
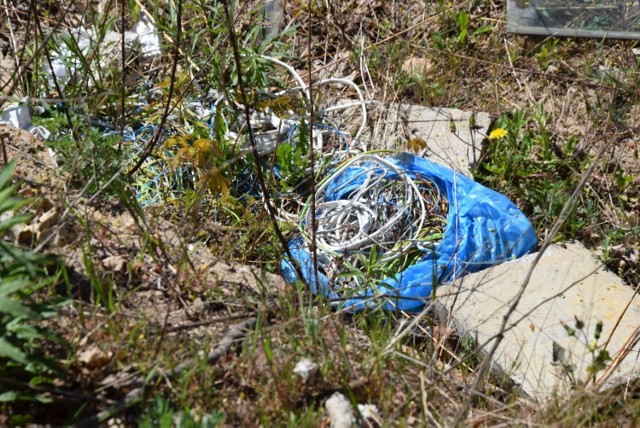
567, 283
452, 138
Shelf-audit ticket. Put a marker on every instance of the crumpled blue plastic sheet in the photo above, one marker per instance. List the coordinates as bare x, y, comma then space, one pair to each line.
484, 228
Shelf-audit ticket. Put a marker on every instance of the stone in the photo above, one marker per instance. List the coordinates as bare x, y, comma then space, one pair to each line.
340, 411
418, 66
305, 368
116, 264
47, 220
449, 137
545, 349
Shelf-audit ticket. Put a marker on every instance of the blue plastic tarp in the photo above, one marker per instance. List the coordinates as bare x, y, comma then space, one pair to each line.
484, 228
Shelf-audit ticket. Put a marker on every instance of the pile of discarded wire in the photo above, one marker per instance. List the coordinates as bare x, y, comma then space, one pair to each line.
278, 118
372, 220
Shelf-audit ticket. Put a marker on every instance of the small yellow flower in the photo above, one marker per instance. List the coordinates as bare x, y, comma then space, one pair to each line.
497, 133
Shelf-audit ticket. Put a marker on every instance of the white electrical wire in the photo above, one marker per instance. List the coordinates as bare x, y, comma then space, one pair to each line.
293, 73
268, 125
366, 201
332, 145
361, 104
370, 202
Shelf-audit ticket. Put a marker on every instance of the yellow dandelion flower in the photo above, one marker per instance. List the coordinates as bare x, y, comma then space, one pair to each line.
497, 133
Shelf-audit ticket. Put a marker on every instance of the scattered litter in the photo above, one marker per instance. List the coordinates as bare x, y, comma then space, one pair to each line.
416, 223
19, 116
340, 411
69, 62
392, 226
148, 38
370, 412
76, 50
305, 368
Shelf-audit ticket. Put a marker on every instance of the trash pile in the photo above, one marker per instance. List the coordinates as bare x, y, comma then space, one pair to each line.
414, 245
386, 227
371, 214
75, 52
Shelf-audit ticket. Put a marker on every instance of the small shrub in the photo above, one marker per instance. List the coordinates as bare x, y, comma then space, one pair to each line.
24, 277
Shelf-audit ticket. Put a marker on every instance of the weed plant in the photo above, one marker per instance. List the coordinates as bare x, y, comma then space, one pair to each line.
27, 370
527, 165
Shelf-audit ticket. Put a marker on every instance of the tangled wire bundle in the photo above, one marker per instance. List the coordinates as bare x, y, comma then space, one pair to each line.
278, 117
373, 220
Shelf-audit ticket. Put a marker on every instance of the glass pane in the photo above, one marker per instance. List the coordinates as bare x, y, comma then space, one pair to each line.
618, 19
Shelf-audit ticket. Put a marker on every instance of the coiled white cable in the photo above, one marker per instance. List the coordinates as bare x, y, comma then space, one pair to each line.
370, 202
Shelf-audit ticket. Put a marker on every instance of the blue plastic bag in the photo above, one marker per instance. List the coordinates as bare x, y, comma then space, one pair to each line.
483, 229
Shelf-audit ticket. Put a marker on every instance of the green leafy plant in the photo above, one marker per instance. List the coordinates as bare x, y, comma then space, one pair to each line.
24, 278
162, 414
599, 355
523, 160
94, 160
465, 32
548, 53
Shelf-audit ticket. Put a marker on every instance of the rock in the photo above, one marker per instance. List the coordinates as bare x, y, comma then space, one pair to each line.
24, 234
449, 137
305, 368
340, 411
48, 220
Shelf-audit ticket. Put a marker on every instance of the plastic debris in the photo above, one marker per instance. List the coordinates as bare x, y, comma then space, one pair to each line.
419, 224
305, 368
340, 411
67, 67
370, 412
19, 116
148, 38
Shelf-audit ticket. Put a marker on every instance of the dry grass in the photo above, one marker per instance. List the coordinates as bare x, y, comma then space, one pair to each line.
174, 301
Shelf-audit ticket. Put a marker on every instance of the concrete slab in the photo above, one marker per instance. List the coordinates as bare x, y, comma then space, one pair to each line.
452, 137
537, 351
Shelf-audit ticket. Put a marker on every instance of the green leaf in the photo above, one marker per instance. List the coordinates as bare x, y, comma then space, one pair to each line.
6, 173
9, 202
10, 222
570, 331
8, 396
15, 308
598, 330
482, 30
8, 350
558, 355
283, 158
8, 287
